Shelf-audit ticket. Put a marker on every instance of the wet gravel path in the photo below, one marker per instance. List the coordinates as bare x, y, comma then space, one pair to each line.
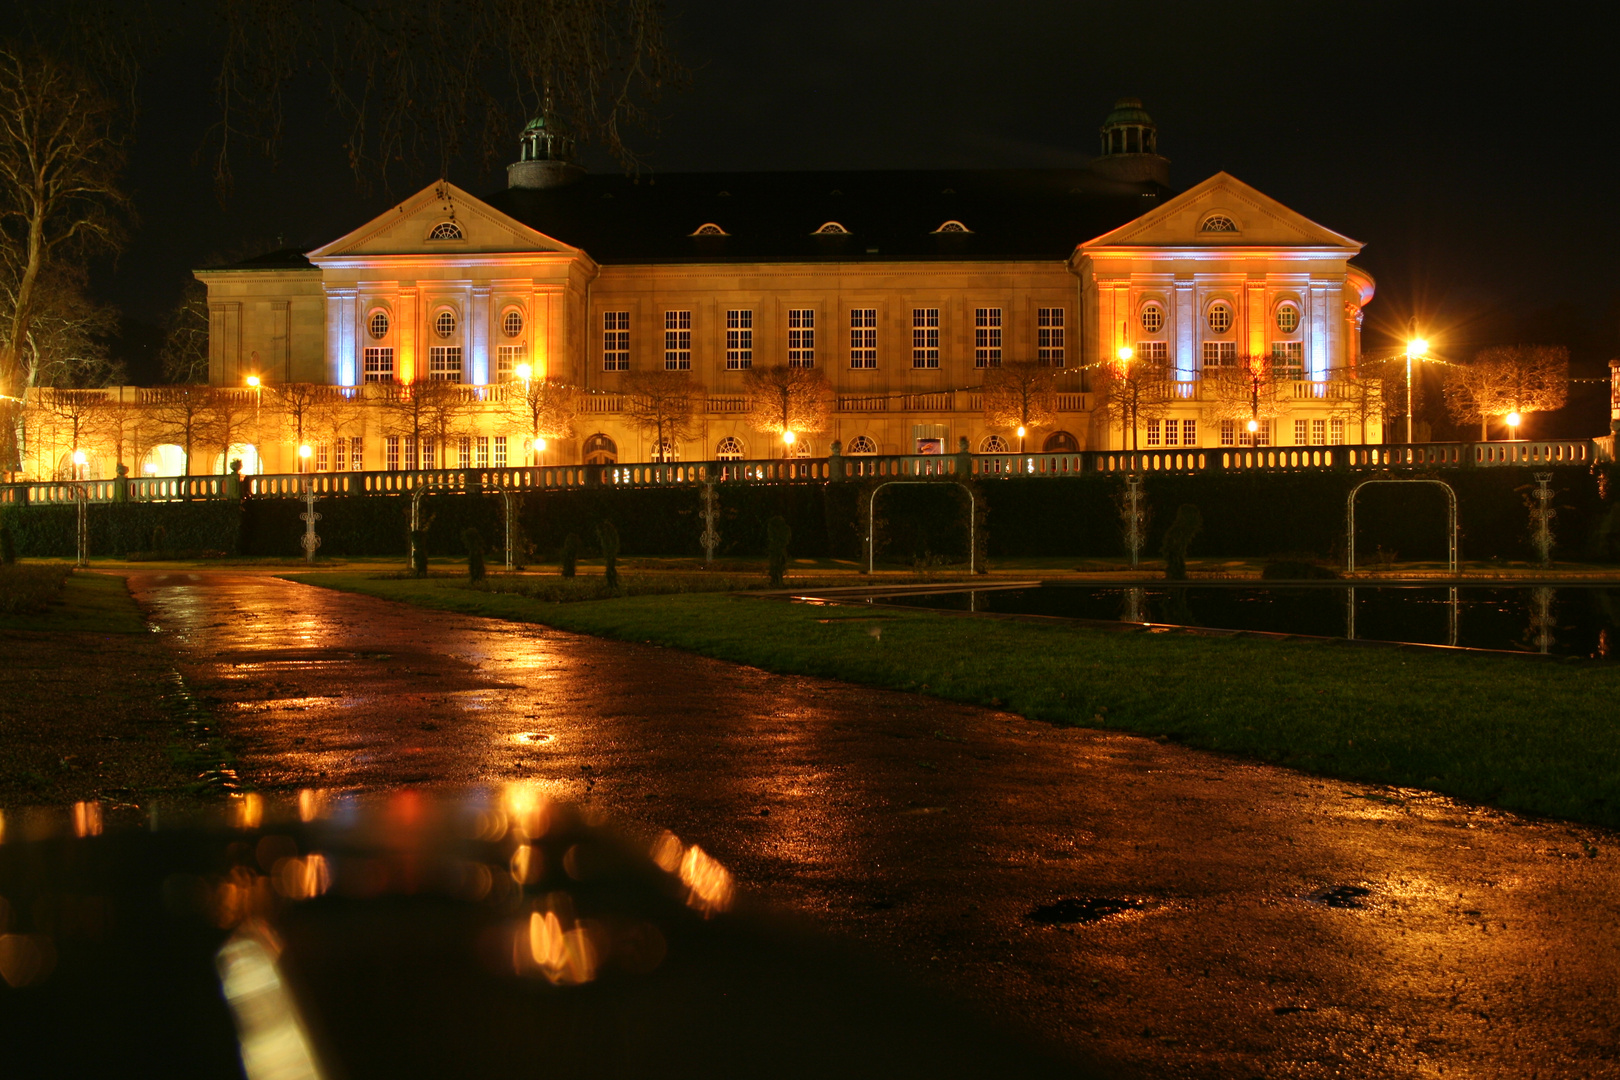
1256, 922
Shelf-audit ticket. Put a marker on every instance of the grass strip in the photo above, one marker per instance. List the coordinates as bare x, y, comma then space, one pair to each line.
1526, 735
93, 603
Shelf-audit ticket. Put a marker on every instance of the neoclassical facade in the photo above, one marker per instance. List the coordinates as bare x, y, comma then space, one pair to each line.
905, 288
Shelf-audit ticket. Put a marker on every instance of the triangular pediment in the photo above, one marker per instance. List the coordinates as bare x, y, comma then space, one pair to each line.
441, 219
1222, 211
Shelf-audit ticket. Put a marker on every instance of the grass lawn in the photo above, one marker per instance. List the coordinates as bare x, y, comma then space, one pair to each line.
1524, 734
96, 603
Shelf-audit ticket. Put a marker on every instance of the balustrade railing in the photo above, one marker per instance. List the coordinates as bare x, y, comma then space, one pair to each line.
1268, 459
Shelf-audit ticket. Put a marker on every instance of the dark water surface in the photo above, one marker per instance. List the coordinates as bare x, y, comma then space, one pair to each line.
1569, 620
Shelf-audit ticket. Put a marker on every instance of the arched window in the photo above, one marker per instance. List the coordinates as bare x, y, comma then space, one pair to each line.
1220, 317
1287, 318
1218, 223
710, 229
601, 450
512, 323
993, 444
800, 447
860, 444
831, 228
1152, 318
444, 323
666, 450
730, 449
378, 324
446, 230
953, 227
1060, 442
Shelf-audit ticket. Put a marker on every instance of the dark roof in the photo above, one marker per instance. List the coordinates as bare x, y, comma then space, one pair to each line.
1011, 214
281, 259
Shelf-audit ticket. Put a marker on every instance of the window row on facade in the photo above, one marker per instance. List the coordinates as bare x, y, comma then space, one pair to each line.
805, 349
445, 361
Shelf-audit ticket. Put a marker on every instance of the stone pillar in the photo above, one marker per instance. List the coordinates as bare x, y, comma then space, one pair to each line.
478, 335
408, 332
1316, 348
1335, 356
1255, 316
342, 356
1186, 325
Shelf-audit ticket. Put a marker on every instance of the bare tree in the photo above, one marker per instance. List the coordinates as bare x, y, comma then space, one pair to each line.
1507, 379
75, 419
235, 412
183, 415
184, 354
664, 405
1021, 394
1248, 390
61, 149
427, 409
1135, 392
784, 399
540, 409
426, 76
1358, 396
332, 416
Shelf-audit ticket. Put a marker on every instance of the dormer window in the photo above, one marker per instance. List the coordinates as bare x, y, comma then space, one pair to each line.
831, 228
710, 229
446, 230
953, 227
1218, 223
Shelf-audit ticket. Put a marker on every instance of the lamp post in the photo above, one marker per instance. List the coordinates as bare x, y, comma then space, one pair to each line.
539, 447
1022, 431
303, 457
80, 459
1125, 353
788, 439
1416, 349
1513, 421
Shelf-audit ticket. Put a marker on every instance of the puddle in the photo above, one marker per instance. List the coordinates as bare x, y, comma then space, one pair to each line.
533, 738
1082, 909
1349, 897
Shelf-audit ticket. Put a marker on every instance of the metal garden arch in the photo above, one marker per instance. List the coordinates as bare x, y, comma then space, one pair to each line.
871, 523
1451, 515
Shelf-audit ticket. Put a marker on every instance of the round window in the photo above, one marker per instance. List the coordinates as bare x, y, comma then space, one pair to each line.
512, 323
1152, 318
1220, 318
1288, 318
444, 323
379, 324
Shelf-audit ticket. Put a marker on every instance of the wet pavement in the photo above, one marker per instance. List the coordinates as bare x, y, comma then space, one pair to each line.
1177, 912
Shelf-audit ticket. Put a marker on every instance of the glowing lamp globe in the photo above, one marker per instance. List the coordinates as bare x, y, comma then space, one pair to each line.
1021, 431
79, 457
1125, 353
304, 451
253, 381
149, 468
789, 438
523, 371
1253, 426
1417, 348
1514, 419
539, 445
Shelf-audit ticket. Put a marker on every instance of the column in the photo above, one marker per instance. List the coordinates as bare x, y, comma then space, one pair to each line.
408, 332
1335, 354
478, 335
1317, 357
1186, 327
340, 336
1256, 316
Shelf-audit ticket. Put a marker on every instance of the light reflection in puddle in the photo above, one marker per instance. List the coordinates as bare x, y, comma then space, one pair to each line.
533, 738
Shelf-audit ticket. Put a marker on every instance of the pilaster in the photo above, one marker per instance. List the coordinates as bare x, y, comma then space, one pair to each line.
478, 335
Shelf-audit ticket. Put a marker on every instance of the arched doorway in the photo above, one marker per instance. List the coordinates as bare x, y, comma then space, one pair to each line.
601, 450
165, 459
1060, 442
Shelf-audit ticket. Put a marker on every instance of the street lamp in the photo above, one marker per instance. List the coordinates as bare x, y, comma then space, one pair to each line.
523, 371
788, 439
1416, 349
79, 461
1513, 421
1022, 431
303, 457
1125, 353
539, 447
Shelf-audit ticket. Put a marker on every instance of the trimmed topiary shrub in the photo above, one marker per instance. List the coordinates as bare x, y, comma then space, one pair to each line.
608, 537
473, 540
777, 535
570, 555
1177, 538
8, 545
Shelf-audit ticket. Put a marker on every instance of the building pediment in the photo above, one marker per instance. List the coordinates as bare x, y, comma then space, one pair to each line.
1221, 212
441, 220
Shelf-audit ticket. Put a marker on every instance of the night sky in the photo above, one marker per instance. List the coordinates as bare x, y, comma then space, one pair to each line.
1470, 147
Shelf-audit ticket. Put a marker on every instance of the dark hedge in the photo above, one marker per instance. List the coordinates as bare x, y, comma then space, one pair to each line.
1245, 514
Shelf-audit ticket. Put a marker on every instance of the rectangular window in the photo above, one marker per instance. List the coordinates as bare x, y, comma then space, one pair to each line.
615, 341
464, 452
801, 337
1335, 432
1189, 433
391, 452
1302, 432
379, 363
429, 454
1156, 353
410, 452
1318, 432
1228, 432
1219, 354
677, 341
739, 340
1172, 433
863, 338
357, 454
1049, 335
507, 358
444, 363
320, 457
987, 337
500, 451
337, 454
483, 452
1288, 359
925, 337
1154, 436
